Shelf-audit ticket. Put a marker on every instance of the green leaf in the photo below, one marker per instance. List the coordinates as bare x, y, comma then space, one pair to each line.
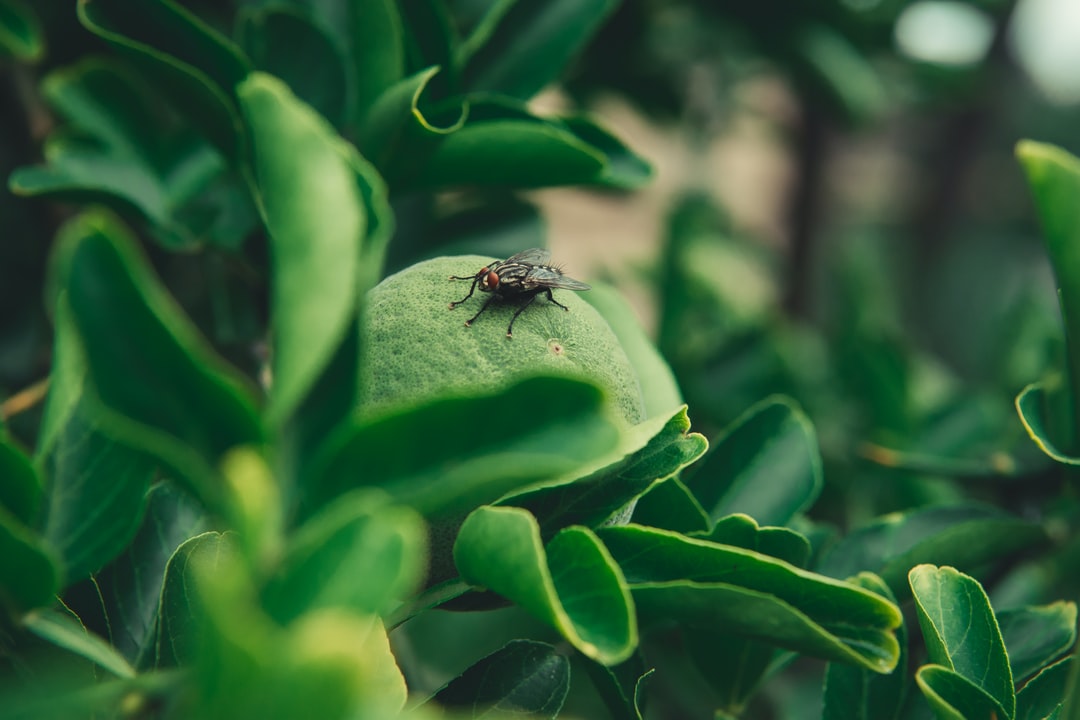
571, 584
377, 40
651, 451
1043, 695
658, 385
702, 584
1036, 636
525, 45
135, 337
119, 148
524, 677
669, 505
621, 687
778, 542
835, 68
963, 536
21, 35
317, 221
20, 489
766, 465
284, 42
466, 459
28, 575
1044, 417
359, 553
1054, 177
199, 67
854, 694
181, 615
954, 697
961, 633
625, 169
66, 631
97, 487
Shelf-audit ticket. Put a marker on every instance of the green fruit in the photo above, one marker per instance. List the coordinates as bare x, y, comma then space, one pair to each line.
416, 348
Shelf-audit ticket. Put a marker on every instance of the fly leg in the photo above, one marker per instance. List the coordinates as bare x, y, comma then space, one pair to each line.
475, 279
482, 309
510, 327
552, 299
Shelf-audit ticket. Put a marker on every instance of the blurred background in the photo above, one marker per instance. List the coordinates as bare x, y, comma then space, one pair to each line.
835, 214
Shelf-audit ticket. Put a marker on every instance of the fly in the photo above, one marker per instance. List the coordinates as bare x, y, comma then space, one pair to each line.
519, 279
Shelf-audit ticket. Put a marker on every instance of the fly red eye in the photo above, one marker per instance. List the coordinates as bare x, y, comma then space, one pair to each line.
492, 280
484, 271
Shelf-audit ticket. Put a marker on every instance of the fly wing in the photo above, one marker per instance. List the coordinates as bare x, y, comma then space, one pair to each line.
550, 277
532, 256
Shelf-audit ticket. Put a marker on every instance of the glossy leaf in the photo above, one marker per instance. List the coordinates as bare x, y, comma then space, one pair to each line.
29, 576
572, 583
702, 584
658, 386
525, 47
1054, 177
854, 694
523, 677
961, 633
21, 34
1037, 636
96, 486
1042, 696
198, 66
20, 489
466, 459
651, 451
954, 697
317, 221
65, 631
964, 536
359, 554
767, 465
181, 615
130, 328
284, 42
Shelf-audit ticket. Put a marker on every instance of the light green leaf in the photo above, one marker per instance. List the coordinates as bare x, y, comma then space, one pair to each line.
572, 584
1044, 417
66, 631
961, 633
954, 697
317, 222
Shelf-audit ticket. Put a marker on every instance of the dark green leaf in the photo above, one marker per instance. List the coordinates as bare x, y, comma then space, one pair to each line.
658, 386
181, 616
622, 687
571, 584
733, 665
21, 35
651, 451
466, 459
625, 170
954, 697
854, 694
669, 505
524, 677
1037, 636
1043, 695
1040, 409
359, 553
965, 536
702, 584
284, 42
28, 575
961, 633
1054, 177
766, 465
65, 630
376, 37
20, 489
317, 221
778, 542
96, 486
136, 338
199, 67
525, 45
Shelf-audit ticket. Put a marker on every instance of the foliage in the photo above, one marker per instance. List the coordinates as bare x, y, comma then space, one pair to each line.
274, 476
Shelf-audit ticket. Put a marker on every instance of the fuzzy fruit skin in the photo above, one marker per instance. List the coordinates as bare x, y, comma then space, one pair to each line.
416, 348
